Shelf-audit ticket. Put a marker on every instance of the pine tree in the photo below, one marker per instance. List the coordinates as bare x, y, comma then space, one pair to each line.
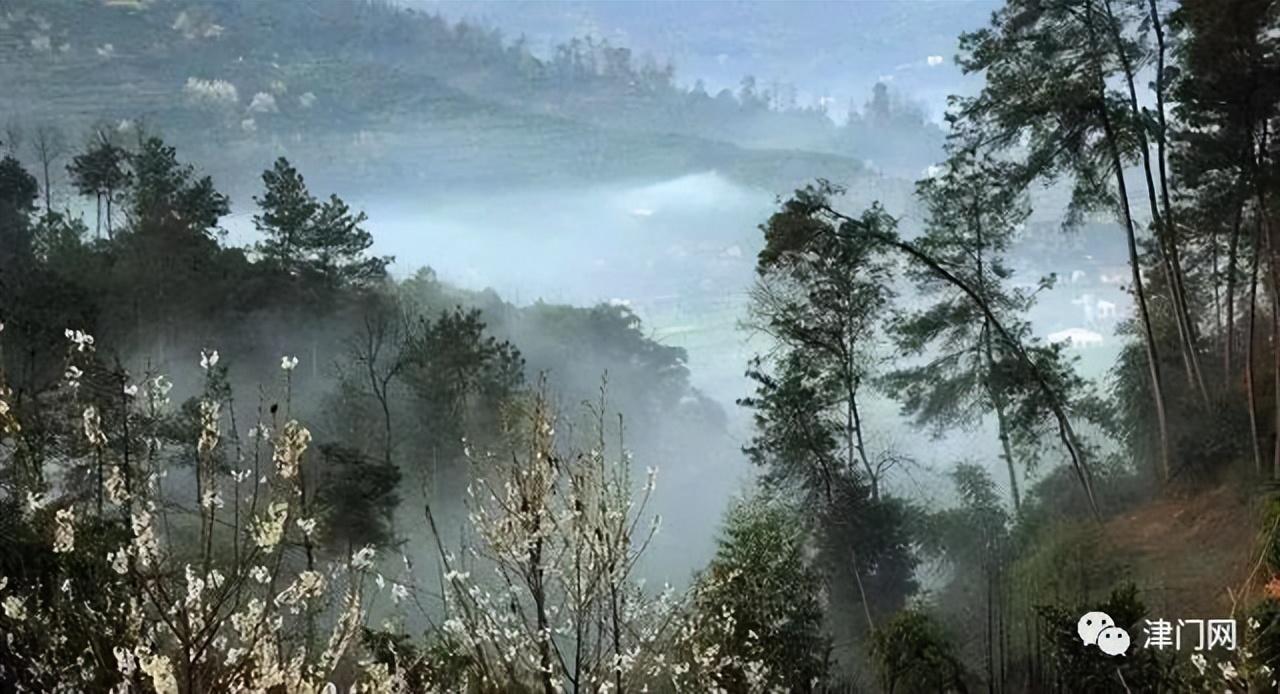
974, 208
1227, 90
1049, 67
306, 237
101, 171
287, 210
170, 195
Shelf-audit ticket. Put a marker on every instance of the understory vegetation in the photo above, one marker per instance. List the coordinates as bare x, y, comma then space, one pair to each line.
215, 461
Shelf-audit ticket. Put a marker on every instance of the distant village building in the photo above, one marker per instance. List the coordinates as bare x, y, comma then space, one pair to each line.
1076, 337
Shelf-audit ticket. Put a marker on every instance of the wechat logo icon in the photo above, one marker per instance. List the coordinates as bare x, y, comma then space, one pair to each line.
1099, 629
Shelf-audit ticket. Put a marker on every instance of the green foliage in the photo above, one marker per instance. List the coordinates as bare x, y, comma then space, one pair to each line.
821, 294
973, 214
913, 655
762, 576
1269, 534
1077, 666
287, 210
101, 171
18, 191
167, 195
972, 535
459, 375
438, 664
1223, 86
356, 498
1045, 67
975, 206
791, 445
18, 188
307, 237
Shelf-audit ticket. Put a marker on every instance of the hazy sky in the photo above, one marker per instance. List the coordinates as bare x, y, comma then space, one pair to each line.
833, 49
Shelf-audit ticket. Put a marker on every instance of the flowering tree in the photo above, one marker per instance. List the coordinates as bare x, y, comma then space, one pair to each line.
131, 588
149, 565
543, 595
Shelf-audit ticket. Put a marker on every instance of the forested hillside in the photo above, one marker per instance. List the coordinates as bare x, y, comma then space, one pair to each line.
394, 93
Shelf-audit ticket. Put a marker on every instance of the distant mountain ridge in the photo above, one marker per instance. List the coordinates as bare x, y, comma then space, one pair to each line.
380, 90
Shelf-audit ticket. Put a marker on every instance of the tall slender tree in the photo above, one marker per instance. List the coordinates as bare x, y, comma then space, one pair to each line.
1049, 68
823, 298
1226, 90
101, 171
1129, 53
48, 145
974, 209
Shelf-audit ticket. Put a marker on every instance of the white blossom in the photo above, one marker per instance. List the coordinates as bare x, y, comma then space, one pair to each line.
82, 340
125, 662
268, 531
64, 534
211, 499
117, 490
36, 501
209, 359
364, 558
93, 427
159, 669
289, 448
15, 608
119, 561
398, 592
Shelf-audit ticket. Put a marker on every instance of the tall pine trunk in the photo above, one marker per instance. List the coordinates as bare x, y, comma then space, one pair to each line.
1140, 300
1233, 246
1002, 420
1165, 240
1135, 268
1162, 141
1249, 349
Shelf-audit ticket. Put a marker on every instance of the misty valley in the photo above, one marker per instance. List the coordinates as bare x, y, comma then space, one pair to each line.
517, 346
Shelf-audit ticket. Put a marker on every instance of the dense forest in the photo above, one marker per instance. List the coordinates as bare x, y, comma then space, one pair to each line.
277, 467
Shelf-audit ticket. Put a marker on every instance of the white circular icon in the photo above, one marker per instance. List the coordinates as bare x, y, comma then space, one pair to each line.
1091, 624
1113, 641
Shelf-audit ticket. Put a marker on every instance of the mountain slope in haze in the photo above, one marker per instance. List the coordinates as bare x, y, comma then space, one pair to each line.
387, 92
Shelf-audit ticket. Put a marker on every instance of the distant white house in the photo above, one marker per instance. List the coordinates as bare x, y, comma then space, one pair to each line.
1076, 337
1106, 310
1096, 311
